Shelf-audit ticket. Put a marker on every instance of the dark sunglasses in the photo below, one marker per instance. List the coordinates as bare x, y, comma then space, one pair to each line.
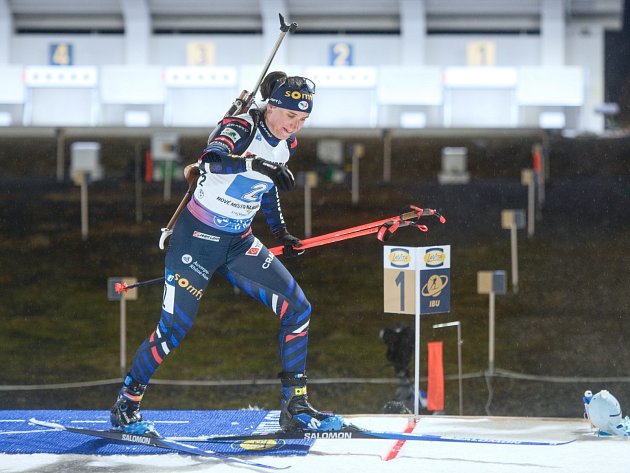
300, 83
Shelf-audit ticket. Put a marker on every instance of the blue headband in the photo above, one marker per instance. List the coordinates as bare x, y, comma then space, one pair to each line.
290, 97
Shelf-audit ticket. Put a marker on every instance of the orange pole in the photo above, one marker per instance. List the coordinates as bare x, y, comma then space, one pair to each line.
435, 388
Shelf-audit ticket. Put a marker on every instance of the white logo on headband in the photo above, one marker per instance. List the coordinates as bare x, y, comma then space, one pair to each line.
303, 105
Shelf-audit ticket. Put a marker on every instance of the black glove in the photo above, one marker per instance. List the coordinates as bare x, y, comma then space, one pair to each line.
290, 243
279, 174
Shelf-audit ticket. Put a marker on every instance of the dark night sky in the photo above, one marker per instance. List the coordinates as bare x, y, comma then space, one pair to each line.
617, 67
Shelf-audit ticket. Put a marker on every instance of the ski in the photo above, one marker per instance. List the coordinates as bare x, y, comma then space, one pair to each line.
353, 432
154, 441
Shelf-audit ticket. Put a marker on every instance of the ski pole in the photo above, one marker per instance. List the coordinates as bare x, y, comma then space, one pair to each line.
385, 228
410, 216
242, 103
121, 287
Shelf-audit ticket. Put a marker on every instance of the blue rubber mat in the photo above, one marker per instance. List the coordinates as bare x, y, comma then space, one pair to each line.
18, 436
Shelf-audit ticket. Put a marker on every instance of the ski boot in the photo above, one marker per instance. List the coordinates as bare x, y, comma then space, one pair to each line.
297, 413
125, 413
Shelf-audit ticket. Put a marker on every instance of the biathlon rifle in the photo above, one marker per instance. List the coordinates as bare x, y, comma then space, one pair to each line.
240, 105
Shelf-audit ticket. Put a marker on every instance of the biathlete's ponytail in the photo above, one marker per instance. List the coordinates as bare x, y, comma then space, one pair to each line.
269, 82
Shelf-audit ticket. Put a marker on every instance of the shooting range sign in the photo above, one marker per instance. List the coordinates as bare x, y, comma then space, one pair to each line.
417, 280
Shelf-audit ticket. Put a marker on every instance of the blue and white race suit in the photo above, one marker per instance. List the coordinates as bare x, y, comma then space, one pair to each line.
213, 235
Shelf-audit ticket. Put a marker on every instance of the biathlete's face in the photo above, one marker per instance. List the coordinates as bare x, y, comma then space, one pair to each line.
283, 122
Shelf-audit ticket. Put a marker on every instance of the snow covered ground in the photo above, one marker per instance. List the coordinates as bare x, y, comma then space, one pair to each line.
587, 454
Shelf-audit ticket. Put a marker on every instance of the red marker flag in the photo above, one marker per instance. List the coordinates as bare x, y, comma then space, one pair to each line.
435, 388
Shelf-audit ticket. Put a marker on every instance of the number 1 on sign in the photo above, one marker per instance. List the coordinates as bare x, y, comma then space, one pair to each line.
399, 291
400, 281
